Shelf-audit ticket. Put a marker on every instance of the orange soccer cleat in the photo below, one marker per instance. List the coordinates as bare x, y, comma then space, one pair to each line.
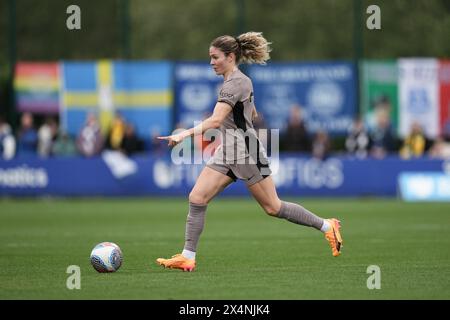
334, 237
177, 262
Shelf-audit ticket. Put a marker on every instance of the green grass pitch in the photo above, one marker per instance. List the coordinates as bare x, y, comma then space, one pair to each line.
243, 254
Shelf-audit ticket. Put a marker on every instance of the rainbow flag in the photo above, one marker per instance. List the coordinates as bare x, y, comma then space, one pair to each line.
37, 86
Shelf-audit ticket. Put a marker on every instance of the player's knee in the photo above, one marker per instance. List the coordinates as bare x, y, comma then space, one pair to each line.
271, 210
197, 198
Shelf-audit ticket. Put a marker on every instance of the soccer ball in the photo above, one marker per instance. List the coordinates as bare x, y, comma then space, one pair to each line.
106, 257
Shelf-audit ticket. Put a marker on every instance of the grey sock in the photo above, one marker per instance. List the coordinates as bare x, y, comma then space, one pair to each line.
194, 225
297, 214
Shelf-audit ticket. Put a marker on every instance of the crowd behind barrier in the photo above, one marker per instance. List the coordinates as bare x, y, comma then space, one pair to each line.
47, 141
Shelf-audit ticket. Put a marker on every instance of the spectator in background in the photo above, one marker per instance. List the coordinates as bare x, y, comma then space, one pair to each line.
46, 136
7, 141
117, 132
382, 136
381, 105
440, 149
296, 137
414, 144
27, 138
130, 143
64, 146
90, 140
357, 142
321, 145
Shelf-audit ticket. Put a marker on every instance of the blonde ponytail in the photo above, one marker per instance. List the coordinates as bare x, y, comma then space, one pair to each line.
254, 48
250, 47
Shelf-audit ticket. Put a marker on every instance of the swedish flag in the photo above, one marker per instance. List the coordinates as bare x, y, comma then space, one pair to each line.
139, 91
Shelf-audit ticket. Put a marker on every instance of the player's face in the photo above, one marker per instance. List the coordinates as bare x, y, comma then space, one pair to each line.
219, 61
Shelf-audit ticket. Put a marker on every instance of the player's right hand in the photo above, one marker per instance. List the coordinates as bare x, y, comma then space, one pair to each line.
172, 140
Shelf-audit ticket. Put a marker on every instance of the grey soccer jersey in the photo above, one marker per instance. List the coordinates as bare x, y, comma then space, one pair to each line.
239, 139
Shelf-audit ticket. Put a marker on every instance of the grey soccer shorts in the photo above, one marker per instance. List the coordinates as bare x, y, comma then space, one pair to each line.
247, 170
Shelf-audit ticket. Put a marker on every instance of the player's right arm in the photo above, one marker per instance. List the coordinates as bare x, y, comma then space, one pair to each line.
221, 110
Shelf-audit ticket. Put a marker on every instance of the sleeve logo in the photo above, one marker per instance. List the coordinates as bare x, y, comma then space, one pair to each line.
226, 95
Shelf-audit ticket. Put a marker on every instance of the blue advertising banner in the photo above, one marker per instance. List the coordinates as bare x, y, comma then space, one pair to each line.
113, 174
326, 92
196, 90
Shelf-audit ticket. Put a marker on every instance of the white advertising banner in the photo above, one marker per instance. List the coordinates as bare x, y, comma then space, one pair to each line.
419, 95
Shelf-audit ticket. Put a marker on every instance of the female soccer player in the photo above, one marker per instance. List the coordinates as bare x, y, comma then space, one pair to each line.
241, 156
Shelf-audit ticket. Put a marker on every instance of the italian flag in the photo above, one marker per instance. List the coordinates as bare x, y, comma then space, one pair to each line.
418, 90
